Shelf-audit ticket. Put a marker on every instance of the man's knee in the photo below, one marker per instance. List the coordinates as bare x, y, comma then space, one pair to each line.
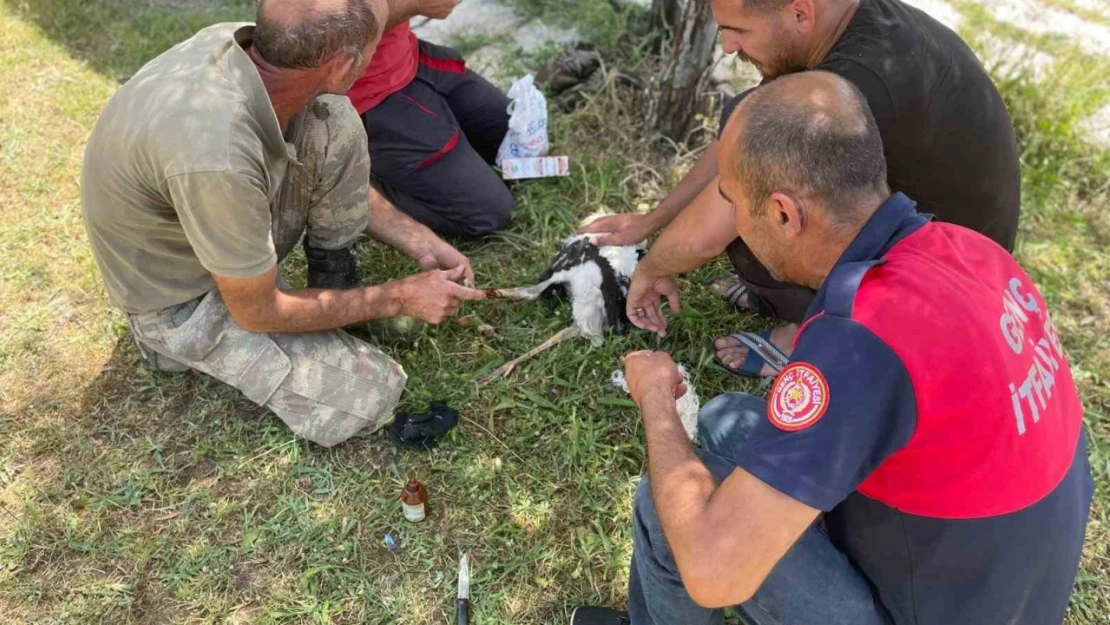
650, 546
315, 421
492, 205
643, 511
332, 148
337, 386
727, 420
346, 133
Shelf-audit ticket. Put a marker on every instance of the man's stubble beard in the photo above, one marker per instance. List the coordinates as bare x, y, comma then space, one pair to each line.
766, 257
784, 59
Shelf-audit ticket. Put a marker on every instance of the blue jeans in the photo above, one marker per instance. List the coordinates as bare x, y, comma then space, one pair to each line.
813, 584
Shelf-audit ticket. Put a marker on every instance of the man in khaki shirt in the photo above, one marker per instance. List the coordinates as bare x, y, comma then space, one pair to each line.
204, 171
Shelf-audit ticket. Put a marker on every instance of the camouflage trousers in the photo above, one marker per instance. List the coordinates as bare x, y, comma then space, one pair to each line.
326, 386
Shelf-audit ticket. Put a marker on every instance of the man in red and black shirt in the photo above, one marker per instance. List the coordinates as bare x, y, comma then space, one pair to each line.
434, 128
920, 459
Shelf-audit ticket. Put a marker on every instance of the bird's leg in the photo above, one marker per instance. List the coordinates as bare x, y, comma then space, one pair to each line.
507, 368
527, 293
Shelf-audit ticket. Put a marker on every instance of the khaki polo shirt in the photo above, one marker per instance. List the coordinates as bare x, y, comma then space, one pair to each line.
180, 172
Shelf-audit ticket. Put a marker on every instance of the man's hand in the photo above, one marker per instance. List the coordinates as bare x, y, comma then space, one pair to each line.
650, 372
434, 295
645, 295
443, 256
624, 229
437, 9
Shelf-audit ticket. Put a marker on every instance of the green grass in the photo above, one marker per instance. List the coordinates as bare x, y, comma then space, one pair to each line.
131, 497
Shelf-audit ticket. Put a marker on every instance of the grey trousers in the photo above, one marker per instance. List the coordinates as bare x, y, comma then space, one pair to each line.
325, 386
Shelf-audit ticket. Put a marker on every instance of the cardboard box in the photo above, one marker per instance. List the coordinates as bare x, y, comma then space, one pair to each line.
543, 167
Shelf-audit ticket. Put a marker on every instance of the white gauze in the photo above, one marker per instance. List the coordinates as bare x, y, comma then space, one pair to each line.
688, 405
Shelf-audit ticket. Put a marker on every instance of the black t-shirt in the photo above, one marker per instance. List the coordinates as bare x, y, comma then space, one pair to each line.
948, 139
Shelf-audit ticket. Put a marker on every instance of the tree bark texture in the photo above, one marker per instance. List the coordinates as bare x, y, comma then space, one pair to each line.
664, 13
690, 59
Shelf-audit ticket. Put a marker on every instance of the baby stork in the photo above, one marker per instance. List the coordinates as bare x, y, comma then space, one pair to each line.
596, 281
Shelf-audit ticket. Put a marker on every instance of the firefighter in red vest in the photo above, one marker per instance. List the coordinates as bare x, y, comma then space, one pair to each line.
920, 459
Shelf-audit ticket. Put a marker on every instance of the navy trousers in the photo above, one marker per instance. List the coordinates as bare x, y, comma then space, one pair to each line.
432, 145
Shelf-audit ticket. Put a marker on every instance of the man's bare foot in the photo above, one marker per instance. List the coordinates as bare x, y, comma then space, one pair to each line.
735, 293
731, 353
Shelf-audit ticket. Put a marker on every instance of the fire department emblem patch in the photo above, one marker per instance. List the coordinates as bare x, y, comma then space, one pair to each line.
799, 397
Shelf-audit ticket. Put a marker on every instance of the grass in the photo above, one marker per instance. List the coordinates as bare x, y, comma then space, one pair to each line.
131, 497
1077, 9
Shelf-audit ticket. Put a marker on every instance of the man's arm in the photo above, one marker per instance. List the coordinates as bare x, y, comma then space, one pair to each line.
258, 305
403, 233
396, 229
400, 11
404, 10
631, 228
699, 234
725, 539
700, 175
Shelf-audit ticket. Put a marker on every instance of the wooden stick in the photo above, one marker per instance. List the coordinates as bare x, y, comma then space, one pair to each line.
507, 368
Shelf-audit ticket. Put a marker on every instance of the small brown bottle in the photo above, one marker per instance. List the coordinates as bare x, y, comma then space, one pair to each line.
414, 501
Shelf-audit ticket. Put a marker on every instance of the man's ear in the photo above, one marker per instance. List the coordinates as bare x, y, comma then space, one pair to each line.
339, 68
786, 214
802, 16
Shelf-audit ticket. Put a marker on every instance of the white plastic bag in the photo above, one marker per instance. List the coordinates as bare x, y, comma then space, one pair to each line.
527, 136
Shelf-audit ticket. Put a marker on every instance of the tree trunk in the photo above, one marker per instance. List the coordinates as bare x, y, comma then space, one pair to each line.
664, 13
690, 58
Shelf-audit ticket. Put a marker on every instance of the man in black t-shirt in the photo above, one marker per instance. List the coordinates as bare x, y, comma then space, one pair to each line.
946, 135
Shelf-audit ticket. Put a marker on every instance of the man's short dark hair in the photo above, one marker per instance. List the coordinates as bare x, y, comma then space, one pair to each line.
814, 144
762, 6
308, 42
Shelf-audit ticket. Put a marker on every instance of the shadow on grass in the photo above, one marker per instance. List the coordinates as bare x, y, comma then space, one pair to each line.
116, 37
111, 464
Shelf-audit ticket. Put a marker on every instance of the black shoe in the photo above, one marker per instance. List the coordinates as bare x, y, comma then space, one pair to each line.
423, 430
590, 615
331, 269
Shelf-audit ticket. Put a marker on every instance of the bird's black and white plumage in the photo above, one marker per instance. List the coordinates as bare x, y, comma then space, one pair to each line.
594, 279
